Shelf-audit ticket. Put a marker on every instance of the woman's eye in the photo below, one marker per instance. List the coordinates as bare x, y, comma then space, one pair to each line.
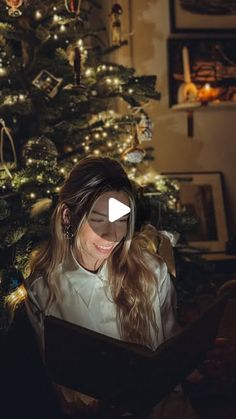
97, 221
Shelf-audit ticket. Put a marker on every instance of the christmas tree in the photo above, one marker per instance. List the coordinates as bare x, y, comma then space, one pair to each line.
60, 100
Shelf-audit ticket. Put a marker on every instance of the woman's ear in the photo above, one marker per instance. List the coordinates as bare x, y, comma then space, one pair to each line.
66, 216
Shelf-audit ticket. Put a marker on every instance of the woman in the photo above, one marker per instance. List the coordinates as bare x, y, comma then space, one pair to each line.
100, 274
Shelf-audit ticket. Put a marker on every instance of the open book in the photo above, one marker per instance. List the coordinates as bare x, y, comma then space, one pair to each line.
126, 375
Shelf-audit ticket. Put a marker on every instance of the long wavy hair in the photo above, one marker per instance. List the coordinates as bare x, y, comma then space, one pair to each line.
131, 280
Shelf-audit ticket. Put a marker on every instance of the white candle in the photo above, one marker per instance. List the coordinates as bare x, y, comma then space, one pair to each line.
186, 66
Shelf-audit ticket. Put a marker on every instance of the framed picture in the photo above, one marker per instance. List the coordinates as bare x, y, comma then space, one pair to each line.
202, 15
201, 194
48, 83
212, 62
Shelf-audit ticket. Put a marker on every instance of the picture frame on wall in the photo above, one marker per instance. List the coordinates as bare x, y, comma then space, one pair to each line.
212, 61
202, 195
202, 15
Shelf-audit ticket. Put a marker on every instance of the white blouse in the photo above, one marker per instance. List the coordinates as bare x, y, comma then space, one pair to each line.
86, 302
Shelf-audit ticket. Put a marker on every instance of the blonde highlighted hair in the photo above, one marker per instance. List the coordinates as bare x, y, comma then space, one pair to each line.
131, 279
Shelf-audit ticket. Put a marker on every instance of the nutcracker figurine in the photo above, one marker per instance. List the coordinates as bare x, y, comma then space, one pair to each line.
115, 14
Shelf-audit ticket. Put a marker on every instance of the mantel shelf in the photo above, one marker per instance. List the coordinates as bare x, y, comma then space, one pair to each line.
226, 105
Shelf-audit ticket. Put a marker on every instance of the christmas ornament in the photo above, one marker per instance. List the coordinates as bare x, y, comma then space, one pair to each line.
134, 154
73, 6
116, 11
5, 133
14, 7
144, 128
48, 83
76, 60
40, 151
11, 279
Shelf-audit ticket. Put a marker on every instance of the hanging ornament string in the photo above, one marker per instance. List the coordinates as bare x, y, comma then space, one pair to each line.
6, 131
73, 6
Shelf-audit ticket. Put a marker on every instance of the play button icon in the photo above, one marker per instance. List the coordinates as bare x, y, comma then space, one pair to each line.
116, 209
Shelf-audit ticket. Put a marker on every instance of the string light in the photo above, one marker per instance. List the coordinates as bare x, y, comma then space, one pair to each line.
38, 14
32, 195
62, 28
88, 72
3, 71
56, 18
55, 36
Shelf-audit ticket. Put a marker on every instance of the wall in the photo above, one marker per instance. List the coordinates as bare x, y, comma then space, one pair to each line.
213, 147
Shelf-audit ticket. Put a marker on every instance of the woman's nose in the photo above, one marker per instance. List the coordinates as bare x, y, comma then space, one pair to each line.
110, 232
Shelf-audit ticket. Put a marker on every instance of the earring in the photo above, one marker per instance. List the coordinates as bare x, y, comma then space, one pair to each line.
68, 232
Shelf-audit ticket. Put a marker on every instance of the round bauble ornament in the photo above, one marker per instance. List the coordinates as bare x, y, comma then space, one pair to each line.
11, 278
40, 151
134, 154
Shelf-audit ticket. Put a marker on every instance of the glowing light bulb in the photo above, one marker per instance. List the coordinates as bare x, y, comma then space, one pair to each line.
62, 28
3, 71
38, 14
56, 18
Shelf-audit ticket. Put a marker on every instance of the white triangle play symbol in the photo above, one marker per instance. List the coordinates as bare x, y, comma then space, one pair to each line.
116, 209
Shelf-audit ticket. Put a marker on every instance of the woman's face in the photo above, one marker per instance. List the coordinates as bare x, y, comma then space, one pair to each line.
98, 236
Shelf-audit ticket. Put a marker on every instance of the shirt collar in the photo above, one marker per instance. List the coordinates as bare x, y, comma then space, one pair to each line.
84, 282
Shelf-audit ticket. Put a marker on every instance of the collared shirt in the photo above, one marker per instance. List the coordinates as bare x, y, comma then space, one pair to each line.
86, 301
